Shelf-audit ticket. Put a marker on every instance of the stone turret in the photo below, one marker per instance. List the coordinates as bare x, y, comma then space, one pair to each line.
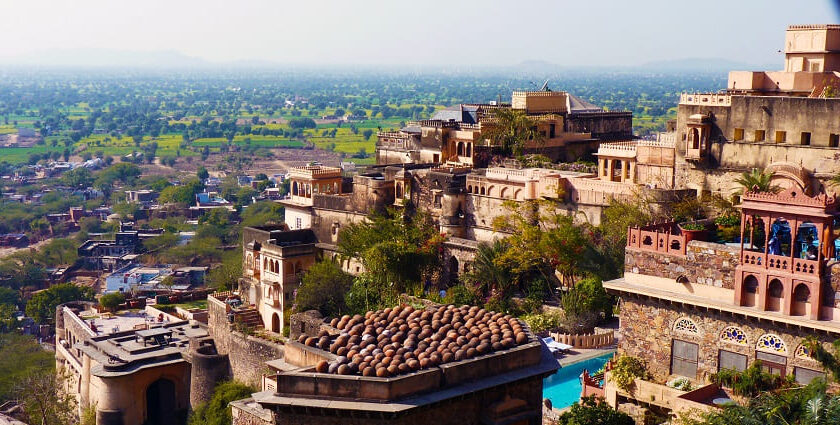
208, 368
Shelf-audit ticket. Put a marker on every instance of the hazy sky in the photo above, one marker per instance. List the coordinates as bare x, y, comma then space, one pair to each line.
431, 32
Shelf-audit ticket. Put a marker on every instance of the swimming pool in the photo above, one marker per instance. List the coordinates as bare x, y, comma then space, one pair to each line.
563, 388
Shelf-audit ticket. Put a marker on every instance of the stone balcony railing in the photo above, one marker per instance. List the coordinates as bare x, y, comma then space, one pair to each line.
663, 140
625, 149
705, 99
315, 171
596, 340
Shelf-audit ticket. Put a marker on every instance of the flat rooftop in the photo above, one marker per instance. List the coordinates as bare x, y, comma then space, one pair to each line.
126, 352
429, 354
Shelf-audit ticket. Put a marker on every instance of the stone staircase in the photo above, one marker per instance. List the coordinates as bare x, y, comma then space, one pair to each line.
248, 317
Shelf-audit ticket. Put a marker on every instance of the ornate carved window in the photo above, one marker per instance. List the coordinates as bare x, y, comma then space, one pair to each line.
734, 335
771, 343
686, 325
803, 352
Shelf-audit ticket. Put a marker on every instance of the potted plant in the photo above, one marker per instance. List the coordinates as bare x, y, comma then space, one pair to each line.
693, 231
728, 227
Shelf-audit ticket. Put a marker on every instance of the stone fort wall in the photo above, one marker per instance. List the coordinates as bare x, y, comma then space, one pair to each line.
247, 354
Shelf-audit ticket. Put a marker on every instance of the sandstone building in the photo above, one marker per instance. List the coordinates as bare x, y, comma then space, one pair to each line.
141, 372
569, 126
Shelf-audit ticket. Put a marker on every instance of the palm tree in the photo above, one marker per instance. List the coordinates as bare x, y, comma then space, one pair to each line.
487, 271
510, 129
757, 181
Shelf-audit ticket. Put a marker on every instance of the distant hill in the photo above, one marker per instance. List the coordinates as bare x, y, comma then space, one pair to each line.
673, 65
705, 64
108, 58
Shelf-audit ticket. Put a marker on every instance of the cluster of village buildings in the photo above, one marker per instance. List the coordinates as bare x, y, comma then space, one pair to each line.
688, 308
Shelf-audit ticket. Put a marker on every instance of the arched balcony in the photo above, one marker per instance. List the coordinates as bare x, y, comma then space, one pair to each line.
787, 239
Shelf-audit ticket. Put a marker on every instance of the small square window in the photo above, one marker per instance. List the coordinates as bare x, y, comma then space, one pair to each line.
805, 138
834, 140
739, 134
781, 136
759, 135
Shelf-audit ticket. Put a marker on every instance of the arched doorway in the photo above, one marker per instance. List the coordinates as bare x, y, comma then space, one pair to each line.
774, 295
750, 291
160, 403
275, 323
453, 270
801, 300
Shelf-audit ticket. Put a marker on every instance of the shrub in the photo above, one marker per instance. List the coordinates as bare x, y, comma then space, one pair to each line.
542, 322
460, 295
693, 226
217, 410
750, 382
682, 384
112, 301
626, 369
591, 410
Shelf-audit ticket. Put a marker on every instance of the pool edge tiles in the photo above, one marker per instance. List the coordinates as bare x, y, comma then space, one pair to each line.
563, 388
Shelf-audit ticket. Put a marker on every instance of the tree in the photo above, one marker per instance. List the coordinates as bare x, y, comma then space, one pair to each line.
112, 300
20, 356
44, 400
126, 210
592, 411
398, 251
367, 133
757, 181
77, 178
183, 194
217, 410
322, 288
41, 307
202, 173
226, 275
545, 240
510, 130
9, 296
488, 273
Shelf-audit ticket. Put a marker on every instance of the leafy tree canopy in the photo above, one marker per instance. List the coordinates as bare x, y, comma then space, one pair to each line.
41, 307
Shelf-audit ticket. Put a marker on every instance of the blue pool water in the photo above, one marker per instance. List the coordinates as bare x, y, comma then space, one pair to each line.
563, 388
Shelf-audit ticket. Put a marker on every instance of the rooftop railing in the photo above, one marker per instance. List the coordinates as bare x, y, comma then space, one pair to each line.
708, 99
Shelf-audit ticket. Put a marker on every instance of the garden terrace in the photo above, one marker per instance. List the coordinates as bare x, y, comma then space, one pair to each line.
657, 237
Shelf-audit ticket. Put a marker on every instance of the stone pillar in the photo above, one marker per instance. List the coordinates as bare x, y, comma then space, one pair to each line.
632, 171
610, 169
787, 294
762, 293
601, 162
816, 301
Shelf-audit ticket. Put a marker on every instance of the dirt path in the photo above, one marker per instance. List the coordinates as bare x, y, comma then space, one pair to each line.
5, 252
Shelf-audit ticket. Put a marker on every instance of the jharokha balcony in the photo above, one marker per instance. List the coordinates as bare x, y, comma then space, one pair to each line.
789, 239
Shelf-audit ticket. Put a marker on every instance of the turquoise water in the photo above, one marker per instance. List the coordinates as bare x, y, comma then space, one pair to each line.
563, 388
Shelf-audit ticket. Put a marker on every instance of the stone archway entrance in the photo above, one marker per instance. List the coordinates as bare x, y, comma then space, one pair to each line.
160, 403
275, 323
